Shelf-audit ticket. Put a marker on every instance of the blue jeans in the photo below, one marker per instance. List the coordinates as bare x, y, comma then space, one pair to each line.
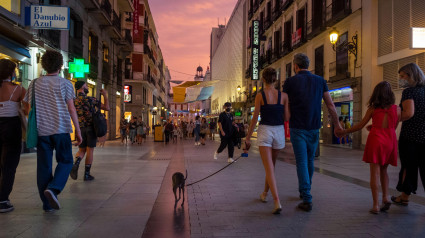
304, 143
61, 143
197, 131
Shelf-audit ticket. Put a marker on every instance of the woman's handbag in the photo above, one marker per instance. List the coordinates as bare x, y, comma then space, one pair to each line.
32, 133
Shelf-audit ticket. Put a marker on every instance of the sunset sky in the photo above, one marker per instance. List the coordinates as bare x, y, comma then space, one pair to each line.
184, 29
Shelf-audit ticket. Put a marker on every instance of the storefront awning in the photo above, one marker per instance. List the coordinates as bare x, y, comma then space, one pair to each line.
205, 93
14, 50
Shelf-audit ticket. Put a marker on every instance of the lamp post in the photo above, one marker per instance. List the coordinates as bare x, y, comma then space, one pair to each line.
351, 46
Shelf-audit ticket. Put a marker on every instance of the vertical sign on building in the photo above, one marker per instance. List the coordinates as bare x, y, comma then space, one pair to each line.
255, 52
136, 14
127, 93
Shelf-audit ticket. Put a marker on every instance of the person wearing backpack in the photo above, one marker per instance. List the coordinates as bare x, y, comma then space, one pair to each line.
85, 107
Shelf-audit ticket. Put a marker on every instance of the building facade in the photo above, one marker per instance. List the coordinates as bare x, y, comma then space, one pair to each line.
227, 61
288, 27
146, 72
95, 34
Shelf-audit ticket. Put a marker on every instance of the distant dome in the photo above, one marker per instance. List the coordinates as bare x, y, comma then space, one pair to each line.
199, 69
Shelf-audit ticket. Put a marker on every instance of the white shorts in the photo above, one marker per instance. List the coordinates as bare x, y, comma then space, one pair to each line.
271, 136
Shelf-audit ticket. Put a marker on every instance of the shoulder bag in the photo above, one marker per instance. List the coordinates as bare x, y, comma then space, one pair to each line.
32, 132
99, 120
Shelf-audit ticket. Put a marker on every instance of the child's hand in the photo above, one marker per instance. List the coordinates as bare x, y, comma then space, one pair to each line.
369, 127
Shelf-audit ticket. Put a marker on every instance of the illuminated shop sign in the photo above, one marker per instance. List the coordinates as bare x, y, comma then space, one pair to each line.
255, 52
127, 93
78, 68
418, 38
47, 17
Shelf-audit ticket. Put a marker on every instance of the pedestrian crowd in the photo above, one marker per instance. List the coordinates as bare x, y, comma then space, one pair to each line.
55, 103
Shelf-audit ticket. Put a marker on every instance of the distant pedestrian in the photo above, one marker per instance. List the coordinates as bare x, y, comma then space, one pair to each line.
123, 129
347, 125
85, 107
54, 100
204, 130
412, 136
342, 124
132, 126
141, 127
197, 130
11, 96
306, 92
381, 145
225, 125
168, 131
273, 106
213, 128
190, 129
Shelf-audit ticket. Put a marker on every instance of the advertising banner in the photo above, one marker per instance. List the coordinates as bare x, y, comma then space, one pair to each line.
136, 15
255, 52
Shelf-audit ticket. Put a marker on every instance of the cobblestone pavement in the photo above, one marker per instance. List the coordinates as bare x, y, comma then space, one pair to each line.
131, 194
228, 205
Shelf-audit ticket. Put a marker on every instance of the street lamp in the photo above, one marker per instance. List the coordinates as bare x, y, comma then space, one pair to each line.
351, 46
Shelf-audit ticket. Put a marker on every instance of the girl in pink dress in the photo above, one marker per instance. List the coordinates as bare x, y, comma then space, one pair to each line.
381, 145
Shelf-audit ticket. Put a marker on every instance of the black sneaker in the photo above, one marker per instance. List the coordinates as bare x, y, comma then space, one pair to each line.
53, 200
6, 206
305, 206
88, 177
74, 172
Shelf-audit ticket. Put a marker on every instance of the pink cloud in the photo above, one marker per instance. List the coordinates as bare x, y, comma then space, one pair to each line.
184, 28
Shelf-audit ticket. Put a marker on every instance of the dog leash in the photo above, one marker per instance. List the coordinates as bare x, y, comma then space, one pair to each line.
242, 155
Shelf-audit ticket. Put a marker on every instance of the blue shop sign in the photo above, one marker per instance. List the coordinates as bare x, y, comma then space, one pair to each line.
47, 17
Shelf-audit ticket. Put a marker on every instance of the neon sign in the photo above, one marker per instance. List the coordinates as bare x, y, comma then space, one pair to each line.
255, 53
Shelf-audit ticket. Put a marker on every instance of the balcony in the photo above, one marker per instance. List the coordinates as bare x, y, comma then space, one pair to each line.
248, 72
267, 23
91, 4
285, 4
126, 5
116, 23
276, 13
256, 5
336, 11
106, 72
286, 48
338, 72
102, 12
75, 48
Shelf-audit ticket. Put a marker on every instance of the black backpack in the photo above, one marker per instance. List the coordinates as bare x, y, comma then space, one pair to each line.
99, 120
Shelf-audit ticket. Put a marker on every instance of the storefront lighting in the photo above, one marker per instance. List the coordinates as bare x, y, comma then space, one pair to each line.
162, 108
118, 93
155, 108
92, 82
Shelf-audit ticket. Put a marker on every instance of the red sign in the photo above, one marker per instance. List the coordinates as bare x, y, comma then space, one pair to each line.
136, 14
127, 93
296, 37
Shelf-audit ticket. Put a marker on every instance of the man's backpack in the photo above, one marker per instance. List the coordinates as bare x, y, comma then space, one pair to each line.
99, 121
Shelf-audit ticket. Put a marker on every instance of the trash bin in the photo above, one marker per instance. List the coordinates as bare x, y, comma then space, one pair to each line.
158, 135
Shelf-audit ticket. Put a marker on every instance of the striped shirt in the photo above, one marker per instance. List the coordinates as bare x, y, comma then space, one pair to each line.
51, 94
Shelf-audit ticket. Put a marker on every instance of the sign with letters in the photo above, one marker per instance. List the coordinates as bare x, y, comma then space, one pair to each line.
47, 17
255, 51
418, 38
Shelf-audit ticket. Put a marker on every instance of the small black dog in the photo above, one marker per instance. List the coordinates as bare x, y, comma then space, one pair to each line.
178, 182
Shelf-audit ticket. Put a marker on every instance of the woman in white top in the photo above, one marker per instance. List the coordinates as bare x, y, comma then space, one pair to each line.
11, 96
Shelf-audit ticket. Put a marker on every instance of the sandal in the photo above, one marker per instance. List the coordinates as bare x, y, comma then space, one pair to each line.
385, 207
399, 201
373, 211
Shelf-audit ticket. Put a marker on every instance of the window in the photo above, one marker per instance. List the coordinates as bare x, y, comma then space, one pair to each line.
342, 55
288, 70
319, 61
50, 2
105, 54
13, 6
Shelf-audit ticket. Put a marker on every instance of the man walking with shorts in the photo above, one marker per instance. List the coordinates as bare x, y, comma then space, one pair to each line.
225, 126
305, 92
85, 107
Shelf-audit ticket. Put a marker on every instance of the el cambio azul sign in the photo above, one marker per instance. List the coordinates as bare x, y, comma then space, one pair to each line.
255, 53
47, 17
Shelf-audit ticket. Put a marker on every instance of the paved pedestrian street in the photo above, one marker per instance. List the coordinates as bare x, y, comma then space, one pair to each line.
132, 197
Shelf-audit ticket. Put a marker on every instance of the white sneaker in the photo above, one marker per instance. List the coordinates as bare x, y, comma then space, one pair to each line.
196, 143
230, 160
215, 155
